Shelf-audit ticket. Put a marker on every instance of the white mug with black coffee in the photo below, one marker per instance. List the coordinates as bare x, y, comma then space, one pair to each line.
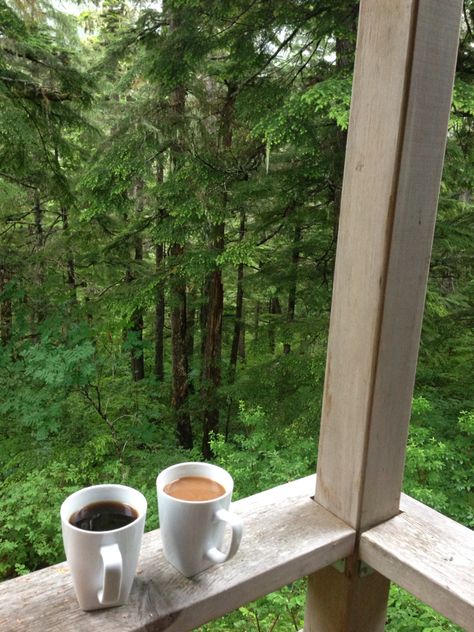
193, 505
102, 532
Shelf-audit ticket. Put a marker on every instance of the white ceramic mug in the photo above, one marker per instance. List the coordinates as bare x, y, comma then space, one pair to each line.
103, 563
192, 532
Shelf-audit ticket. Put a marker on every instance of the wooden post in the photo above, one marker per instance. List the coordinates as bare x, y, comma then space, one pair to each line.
404, 69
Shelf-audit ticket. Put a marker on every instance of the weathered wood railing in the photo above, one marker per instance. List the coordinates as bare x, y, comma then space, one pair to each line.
405, 60
287, 536
429, 555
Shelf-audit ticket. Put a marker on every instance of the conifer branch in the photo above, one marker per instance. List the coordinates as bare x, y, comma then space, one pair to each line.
27, 90
7, 176
285, 42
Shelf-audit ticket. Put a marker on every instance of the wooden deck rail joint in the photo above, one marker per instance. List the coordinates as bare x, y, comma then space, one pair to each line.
364, 570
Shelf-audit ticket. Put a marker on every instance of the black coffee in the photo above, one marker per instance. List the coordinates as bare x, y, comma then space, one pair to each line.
103, 516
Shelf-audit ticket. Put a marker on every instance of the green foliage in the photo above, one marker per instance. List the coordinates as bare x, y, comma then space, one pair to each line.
278, 612
136, 129
127, 443
327, 100
438, 468
407, 614
44, 375
284, 611
258, 457
30, 514
463, 97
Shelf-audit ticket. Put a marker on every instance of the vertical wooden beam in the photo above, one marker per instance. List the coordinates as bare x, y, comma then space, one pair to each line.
403, 78
404, 70
345, 602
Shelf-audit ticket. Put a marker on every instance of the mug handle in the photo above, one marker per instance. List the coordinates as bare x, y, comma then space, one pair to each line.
109, 594
235, 523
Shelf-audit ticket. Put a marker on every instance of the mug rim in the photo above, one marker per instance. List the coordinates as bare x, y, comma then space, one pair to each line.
228, 488
83, 490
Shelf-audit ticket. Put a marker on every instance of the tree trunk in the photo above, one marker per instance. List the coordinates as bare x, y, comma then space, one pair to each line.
204, 308
180, 387
213, 346
39, 303
190, 322
241, 349
256, 323
295, 256
159, 315
137, 358
179, 381
70, 267
212, 351
274, 307
190, 329
160, 295
238, 337
6, 312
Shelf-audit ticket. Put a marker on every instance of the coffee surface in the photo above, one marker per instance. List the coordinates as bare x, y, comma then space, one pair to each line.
194, 488
103, 516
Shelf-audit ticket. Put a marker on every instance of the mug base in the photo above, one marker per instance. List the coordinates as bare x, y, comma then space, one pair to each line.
191, 571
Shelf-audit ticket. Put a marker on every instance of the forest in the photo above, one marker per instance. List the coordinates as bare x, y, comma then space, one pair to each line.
170, 182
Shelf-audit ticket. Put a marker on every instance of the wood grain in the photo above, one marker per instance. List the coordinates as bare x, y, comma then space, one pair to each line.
344, 601
286, 536
429, 555
421, 161
404, 71
405, 62
375, 134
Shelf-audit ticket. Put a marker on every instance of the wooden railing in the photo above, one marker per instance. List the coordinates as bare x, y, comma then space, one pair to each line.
287, 536
429, 555
405, 61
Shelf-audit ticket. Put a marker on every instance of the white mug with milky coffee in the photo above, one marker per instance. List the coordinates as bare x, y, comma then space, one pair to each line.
193, 505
